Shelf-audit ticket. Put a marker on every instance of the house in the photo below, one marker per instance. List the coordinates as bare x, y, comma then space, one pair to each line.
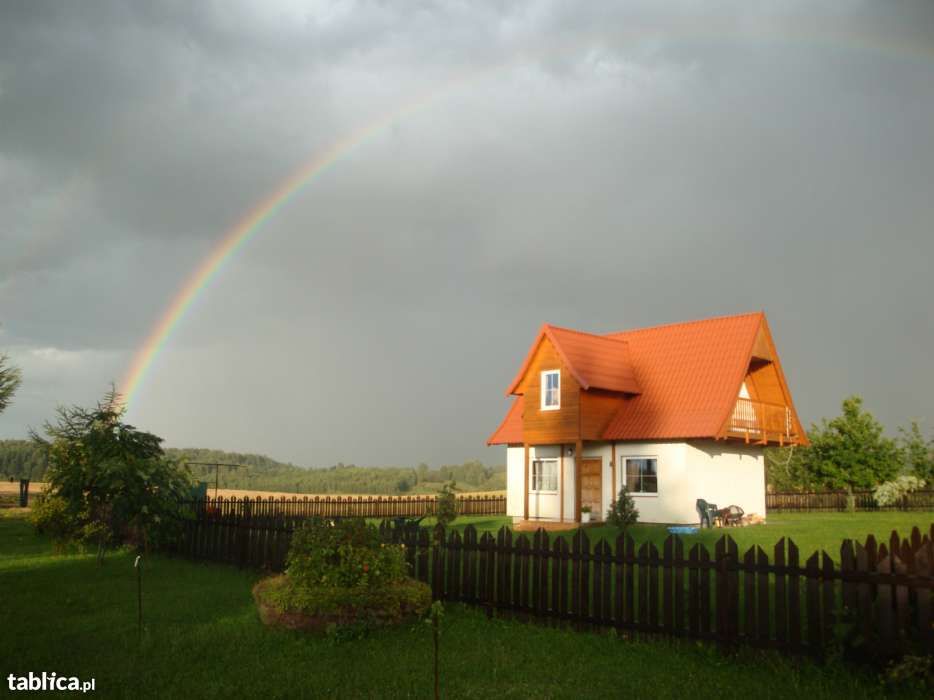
674, 413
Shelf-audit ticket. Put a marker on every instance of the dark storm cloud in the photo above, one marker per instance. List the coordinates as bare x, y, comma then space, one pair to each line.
604, 166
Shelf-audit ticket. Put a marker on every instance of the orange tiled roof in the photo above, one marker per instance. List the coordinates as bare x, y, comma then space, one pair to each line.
596, 361
682, 379
510, 430
690, 375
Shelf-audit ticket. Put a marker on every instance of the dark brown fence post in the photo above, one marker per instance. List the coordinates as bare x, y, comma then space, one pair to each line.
469, 565
668, 602
583, 606
423, 549
487, 572
561, 553
794, 596
437, 562
694, 591
521, 576
781, 612
704, 612
679, 593
629, 562
653, 587
812, 572
726, 590
455, 554
749, 593
574, 607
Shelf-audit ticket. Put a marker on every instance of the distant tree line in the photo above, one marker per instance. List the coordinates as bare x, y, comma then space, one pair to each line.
27, 459
22, 459
852, 452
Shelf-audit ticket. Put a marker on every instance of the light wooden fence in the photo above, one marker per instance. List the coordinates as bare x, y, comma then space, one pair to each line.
299, 507
792, 501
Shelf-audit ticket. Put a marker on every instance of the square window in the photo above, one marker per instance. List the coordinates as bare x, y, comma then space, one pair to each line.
640, 474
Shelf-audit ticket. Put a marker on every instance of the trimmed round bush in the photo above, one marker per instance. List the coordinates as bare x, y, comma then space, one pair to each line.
341, 574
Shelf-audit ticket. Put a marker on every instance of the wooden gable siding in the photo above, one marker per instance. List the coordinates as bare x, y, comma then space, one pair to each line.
760, 348
549, 427
765, 379
763, 385
597, 410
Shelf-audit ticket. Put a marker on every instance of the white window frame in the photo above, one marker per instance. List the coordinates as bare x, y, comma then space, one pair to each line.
622, 476
532, 484
544, 389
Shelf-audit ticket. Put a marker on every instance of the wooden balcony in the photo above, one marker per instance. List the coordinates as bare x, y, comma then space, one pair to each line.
756, 421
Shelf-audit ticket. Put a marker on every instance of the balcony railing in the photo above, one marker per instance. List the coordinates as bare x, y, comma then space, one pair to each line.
756, 421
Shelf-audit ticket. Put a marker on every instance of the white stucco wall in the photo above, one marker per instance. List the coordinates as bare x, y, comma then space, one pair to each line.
729, 474
515, 480
674, 502
722, 473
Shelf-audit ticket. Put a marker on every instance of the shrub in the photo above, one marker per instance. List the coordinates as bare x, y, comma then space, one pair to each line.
891, 492
51, 516
446, 505
117, 484
341, 576
343, 553
623, 511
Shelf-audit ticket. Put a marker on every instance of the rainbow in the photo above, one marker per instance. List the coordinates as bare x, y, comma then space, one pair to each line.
247, 227
251, 223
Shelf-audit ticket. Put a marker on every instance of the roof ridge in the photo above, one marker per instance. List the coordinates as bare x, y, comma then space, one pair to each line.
723, 317
588, 334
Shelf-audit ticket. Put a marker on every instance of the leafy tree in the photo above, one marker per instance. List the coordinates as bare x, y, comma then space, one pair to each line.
918, 452
115, 481
10, 379
422, 471
446, 505
787, 470
623, 511
21, 459
850, 451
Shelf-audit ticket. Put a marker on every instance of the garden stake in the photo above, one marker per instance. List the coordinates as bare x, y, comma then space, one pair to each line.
139, 596
437, 609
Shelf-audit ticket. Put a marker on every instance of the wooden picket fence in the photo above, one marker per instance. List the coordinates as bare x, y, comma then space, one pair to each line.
343, 506
805, 501
883, 591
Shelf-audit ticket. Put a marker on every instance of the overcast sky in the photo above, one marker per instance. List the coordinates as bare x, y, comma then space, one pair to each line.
601, 166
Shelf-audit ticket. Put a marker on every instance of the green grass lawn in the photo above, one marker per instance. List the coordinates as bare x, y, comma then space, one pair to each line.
202, 638
810, 531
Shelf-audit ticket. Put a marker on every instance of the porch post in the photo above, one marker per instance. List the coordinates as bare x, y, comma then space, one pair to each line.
578, 458
561, 483
613, 471
525, 491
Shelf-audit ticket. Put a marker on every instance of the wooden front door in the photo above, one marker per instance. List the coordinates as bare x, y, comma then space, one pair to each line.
592, 487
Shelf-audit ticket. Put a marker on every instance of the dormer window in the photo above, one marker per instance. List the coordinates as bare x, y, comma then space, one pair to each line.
551, 390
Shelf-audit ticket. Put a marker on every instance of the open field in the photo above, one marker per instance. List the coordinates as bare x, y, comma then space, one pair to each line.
202, 638
13, 487
241, 493
35, 487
